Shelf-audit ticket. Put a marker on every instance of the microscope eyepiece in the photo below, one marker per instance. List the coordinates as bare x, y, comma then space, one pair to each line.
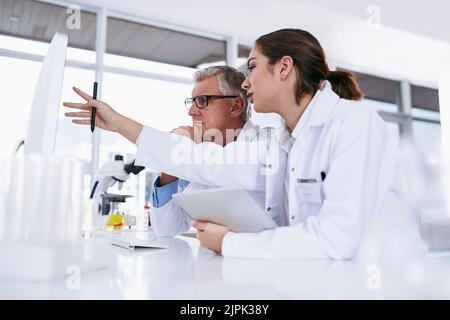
131, 168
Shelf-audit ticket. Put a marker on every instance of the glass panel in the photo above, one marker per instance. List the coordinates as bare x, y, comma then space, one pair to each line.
427, 137
36, 20
380, 105
394, 127
148, 66
73, 140
159, 104
243, 53
266, 119
18, 80
425, 98
80, 55
24, 45
426, 114
17, 94
40, 48
380, 89
141, 41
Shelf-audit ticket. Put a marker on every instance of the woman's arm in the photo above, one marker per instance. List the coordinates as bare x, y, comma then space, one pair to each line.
106, 117
237, 164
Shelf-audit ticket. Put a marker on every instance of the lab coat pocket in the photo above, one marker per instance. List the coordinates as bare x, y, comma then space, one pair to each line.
309, 192
310, 197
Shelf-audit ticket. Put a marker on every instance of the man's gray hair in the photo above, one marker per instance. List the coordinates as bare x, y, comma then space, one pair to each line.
230, 81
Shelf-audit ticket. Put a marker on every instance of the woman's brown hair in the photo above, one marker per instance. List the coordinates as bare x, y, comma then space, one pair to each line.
309, 61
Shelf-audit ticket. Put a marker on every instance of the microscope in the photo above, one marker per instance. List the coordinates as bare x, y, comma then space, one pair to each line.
110, 173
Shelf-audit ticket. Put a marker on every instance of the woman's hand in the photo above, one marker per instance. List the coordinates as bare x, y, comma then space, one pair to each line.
210, 235
105, 117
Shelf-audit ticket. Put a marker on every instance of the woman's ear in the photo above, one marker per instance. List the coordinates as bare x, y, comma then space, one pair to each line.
287, 64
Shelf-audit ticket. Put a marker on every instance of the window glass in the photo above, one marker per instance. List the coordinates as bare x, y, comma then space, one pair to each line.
145, 42
156, 103
37, 22
427, 138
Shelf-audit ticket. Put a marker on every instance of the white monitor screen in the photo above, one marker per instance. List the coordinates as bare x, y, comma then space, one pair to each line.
43, 121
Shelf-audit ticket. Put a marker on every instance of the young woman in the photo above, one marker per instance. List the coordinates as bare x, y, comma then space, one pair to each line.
328, 172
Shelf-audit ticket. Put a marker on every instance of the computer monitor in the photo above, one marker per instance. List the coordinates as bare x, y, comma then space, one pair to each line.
43, 121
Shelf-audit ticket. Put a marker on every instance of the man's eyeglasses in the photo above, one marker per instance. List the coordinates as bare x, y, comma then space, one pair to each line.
201, 102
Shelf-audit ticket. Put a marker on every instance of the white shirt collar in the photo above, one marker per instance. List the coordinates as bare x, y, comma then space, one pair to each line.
249, 131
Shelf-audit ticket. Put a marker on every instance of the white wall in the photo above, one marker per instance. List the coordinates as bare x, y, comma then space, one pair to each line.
347, 40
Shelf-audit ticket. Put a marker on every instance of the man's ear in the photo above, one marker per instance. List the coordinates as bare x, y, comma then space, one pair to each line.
286, 67
237, 107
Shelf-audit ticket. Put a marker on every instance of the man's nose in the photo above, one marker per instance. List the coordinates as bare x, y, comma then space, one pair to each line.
193, 110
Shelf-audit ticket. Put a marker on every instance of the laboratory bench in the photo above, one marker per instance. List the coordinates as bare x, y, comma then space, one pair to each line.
188, 271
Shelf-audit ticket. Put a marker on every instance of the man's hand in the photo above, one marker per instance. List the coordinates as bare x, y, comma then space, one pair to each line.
193, 133
210, 234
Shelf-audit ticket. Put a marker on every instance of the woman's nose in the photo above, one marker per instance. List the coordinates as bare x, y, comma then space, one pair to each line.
246, 84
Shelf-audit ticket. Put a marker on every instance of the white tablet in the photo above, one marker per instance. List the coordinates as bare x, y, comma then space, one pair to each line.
234, 208
132, 244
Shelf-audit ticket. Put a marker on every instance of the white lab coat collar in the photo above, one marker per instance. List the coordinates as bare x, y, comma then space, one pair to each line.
325, 101
249, 130
317, 113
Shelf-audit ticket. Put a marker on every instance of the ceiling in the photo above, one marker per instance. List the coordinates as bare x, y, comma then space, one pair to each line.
426, 18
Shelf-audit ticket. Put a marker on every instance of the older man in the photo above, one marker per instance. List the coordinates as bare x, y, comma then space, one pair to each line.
219, 109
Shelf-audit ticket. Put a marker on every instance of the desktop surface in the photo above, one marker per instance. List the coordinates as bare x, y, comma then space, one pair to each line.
188, 271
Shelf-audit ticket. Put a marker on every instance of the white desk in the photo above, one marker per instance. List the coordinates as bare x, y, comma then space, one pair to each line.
188, 271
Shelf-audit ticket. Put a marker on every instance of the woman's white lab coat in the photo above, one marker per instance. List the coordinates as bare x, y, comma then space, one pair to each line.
341, 140
170, 219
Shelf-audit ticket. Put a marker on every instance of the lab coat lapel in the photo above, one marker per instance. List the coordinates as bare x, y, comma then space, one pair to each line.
324, 106
275, 169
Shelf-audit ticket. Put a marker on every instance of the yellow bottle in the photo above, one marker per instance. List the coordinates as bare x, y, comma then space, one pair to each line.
115, 220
